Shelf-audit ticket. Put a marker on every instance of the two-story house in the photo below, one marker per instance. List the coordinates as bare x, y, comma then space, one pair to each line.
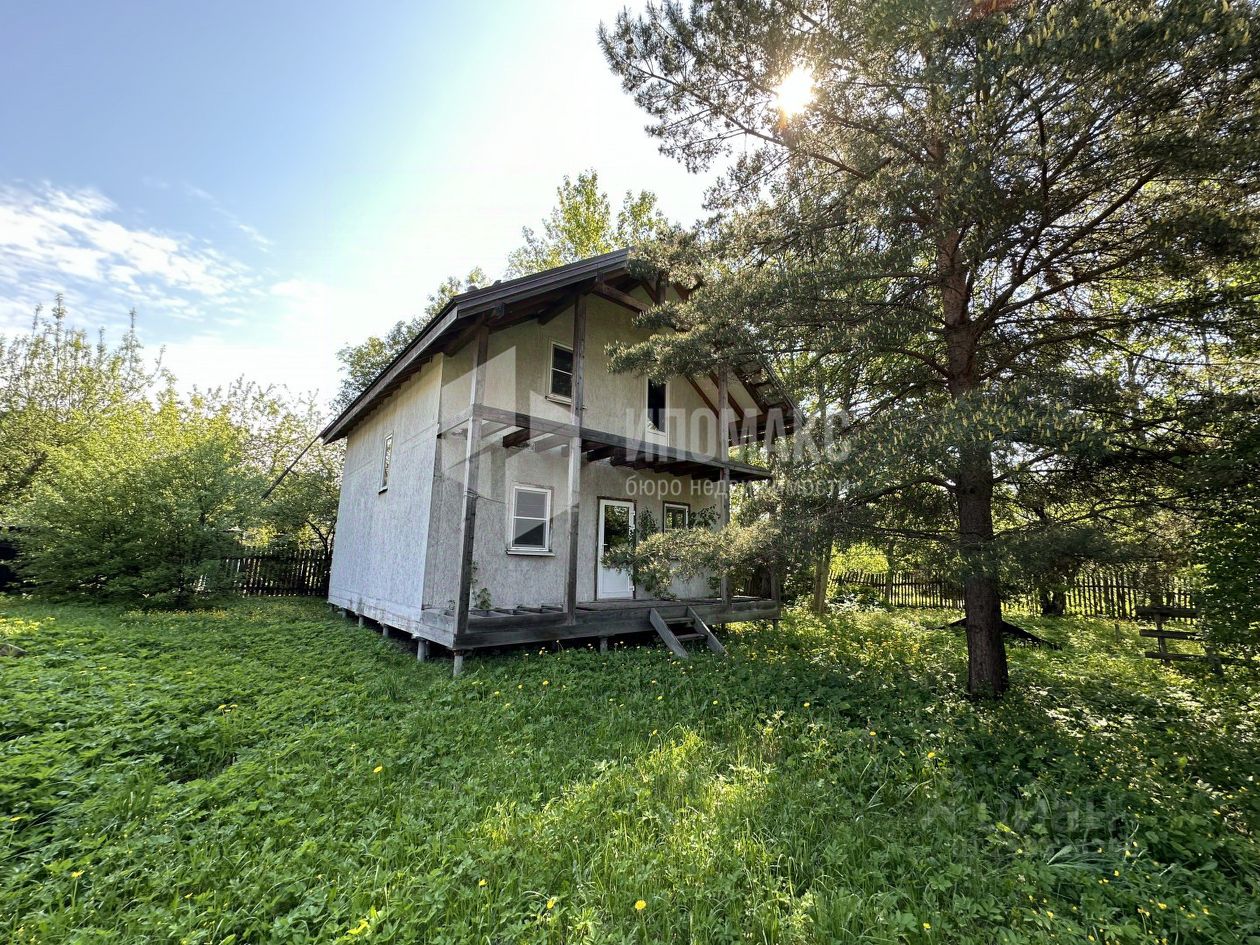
492, 465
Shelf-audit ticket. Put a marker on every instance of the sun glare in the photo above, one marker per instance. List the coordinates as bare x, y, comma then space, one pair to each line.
794, 92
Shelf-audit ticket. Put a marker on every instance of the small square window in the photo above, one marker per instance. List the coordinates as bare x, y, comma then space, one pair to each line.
387, 456
676, 515
561, 384
531, 519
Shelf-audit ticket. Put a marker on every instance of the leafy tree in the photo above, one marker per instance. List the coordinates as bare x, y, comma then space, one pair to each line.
55, 383
362, 362
139, 508
582, 224
977, 211
279, 441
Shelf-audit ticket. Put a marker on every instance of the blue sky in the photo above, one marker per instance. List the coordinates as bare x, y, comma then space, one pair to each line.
265, 182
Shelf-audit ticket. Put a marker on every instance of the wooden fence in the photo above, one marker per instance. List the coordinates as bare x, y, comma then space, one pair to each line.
1097, 593
277, 574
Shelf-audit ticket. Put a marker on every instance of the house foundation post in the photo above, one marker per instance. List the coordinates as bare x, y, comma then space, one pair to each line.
422, 650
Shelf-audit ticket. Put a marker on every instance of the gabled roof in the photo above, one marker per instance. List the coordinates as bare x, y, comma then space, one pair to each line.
534, 296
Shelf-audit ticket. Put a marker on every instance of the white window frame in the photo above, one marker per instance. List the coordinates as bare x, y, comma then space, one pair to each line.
515, 549
387, 460
647, 414
551, 361
666, 506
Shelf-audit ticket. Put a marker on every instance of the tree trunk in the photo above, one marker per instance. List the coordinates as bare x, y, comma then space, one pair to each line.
822, 579
986, 651
1053, 602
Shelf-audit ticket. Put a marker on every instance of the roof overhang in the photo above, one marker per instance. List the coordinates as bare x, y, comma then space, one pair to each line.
759, 404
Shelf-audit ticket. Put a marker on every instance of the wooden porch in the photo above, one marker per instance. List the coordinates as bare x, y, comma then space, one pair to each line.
596, 621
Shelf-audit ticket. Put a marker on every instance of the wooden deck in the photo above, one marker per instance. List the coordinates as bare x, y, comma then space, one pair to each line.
594, 620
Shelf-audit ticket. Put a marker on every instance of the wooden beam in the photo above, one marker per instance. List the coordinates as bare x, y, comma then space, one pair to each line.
472, 462
549, 442
617, 297
596, 453
575, 461
517, 437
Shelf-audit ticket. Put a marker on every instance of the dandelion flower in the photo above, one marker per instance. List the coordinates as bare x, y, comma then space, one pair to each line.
76, 874
551, 903
871, 733
805, 705
378, 769
481, 882
639, 905
546, 682
927, 926
931, 755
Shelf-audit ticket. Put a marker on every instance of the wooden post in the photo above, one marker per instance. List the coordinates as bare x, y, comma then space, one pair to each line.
422, 650
575, 463
724, 485
472, 462
458, 666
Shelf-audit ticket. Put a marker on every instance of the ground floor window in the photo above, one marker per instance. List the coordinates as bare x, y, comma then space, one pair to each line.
676, 515
531, 519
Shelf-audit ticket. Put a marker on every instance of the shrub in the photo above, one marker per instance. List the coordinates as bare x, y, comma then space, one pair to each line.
138, 509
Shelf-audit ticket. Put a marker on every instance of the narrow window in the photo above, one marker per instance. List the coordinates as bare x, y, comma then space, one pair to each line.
561, 373
655, 406
676, 515
387, 455
531, 519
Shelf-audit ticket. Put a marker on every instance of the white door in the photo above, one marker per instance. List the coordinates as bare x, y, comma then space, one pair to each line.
616, 530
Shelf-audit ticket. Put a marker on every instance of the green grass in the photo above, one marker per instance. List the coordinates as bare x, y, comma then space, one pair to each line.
266, 773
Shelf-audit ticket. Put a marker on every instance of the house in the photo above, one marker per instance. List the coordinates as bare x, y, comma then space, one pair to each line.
491, 465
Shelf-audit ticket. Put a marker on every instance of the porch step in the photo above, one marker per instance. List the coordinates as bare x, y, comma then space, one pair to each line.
692, 627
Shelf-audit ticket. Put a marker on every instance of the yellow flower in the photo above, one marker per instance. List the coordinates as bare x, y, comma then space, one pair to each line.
546, 682
805, 705
931, 755
481, 882
715, 702
927, 926
76, 874
378, 769
639, 905
1162, 905
871, 733
551, 903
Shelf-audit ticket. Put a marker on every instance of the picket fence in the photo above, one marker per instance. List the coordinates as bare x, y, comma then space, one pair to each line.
276, 574
1097, 593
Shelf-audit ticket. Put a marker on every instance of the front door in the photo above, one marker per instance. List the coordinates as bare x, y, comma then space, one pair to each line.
616, 530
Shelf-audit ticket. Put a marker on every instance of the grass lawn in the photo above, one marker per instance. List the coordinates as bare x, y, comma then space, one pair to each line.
267, 773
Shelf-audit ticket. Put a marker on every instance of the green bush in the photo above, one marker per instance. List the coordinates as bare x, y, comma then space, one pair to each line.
1229, 549
140, 507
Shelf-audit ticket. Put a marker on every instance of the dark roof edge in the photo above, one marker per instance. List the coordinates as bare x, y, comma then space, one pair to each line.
471, 303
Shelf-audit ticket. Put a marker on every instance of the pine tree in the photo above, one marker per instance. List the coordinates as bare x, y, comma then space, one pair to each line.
971, 209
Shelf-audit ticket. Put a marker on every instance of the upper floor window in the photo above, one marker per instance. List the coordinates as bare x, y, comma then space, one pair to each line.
561, 383
655, 406
531, 519
387, 455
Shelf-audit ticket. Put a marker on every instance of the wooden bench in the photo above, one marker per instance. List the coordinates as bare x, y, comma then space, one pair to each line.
1160, 614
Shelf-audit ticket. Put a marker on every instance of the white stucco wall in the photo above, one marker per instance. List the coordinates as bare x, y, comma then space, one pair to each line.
518, 377
515, 579
380, 551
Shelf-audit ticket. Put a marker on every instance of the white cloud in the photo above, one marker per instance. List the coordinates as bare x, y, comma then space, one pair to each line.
71, 240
